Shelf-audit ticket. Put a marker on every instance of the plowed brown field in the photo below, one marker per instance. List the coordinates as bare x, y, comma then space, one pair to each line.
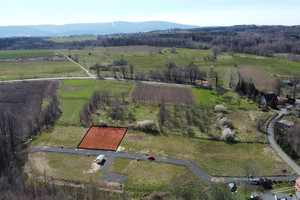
105, 138
261, 78
154, 93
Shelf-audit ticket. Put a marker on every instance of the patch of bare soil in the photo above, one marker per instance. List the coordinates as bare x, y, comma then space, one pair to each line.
133, 137
40, 163
120, 148
94, 168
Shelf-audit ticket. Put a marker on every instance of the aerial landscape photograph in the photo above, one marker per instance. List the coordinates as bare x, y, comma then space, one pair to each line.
149, 99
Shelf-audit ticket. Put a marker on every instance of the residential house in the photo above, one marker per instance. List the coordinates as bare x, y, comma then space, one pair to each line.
269, 99
297, 188
277, 196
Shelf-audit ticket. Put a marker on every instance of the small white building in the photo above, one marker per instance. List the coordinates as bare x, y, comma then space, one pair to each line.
100, 158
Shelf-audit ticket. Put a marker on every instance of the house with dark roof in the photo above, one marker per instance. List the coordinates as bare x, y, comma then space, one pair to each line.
268, 99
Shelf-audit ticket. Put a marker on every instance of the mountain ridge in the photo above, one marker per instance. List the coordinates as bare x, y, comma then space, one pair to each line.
89, 28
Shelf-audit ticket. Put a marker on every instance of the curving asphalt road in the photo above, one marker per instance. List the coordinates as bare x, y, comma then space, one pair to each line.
275, 146
112, 155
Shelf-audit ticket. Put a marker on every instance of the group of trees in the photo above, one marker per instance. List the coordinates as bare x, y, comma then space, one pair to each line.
252, 39
289, 140
98, 99
13, 146
185, 120
247, 89
105, 103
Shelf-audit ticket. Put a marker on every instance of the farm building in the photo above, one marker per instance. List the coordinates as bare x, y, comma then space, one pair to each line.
284, 124
297, 188
100, 158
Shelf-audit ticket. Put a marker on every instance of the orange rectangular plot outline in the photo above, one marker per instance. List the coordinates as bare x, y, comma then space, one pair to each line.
112, 148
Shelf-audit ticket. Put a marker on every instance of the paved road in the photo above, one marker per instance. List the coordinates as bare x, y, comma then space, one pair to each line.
112, 155
275, 146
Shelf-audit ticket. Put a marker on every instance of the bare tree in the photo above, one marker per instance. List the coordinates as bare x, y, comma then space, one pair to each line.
249, 167
295, 81
124, 70
214, 75
162, 116
173, 50
114, 70
277, 86
193, 72
131, 69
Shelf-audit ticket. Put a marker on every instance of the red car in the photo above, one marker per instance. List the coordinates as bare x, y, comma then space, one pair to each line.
150, 157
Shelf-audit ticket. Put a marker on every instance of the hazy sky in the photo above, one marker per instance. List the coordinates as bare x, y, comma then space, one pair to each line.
194, 12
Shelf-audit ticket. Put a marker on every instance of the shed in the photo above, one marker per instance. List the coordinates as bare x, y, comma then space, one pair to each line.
287, 82
284, 124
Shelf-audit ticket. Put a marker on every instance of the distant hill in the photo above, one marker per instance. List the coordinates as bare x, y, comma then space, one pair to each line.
89, 28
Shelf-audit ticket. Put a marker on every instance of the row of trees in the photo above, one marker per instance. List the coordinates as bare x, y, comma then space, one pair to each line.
171, 73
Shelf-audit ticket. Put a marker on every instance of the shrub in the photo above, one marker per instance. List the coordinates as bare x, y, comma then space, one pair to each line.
228, 134
220, 108
147, 125
191, 132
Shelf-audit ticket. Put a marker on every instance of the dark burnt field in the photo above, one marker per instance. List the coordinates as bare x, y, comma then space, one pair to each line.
24, 100
153, 93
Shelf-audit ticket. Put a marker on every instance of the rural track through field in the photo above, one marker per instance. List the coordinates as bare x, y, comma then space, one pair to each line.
79, 65
208, 179
275, 146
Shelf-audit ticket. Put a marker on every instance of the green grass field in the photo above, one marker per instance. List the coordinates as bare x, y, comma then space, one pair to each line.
216, 158
74, 94
146, 59
68, 136
25, 53
9, 71
207, 97
65, 166
145, 177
